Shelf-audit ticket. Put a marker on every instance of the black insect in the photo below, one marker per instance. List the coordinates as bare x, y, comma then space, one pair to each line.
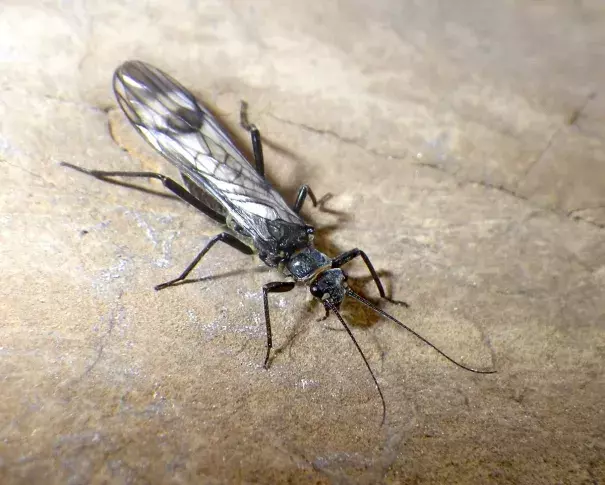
223, 185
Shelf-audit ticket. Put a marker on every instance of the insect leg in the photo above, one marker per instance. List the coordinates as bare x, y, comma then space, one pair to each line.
274, 287
305, 191
169, 183
347, 256
302, 195
224, 237
257, 144
325, 316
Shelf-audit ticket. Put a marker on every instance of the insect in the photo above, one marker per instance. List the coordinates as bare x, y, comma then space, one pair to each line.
220, 182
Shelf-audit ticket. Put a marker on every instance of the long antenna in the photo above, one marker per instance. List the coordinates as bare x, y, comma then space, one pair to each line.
329, 305
416, 334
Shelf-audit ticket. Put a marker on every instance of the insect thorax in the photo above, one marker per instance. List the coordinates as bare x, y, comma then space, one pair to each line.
285, 239
306, 263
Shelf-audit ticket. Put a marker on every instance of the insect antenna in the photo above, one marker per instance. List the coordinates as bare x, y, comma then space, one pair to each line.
361, 299
330, 306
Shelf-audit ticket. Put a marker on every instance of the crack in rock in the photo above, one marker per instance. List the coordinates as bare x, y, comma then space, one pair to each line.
499, 187
343, 139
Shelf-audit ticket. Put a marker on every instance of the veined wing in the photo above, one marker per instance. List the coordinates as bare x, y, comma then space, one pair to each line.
188, 135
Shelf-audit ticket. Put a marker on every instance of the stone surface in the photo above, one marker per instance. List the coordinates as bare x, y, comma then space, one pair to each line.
464, 145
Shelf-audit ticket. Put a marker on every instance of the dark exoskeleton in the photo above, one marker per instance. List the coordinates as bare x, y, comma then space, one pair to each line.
222, 184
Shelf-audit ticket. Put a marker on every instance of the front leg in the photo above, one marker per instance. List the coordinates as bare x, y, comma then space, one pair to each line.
273, 287
345, 257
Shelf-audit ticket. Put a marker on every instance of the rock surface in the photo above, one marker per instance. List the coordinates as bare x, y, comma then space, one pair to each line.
464, 145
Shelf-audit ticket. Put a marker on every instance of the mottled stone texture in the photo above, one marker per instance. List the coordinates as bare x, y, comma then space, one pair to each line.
464, 144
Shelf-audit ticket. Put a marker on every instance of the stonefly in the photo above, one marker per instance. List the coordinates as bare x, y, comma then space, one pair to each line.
223, 185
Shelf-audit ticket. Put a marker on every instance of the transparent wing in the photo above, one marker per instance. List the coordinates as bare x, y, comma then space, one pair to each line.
188, 135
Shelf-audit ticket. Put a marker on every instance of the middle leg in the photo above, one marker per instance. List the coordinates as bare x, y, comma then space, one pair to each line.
257, 144
224, 237
305, 191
